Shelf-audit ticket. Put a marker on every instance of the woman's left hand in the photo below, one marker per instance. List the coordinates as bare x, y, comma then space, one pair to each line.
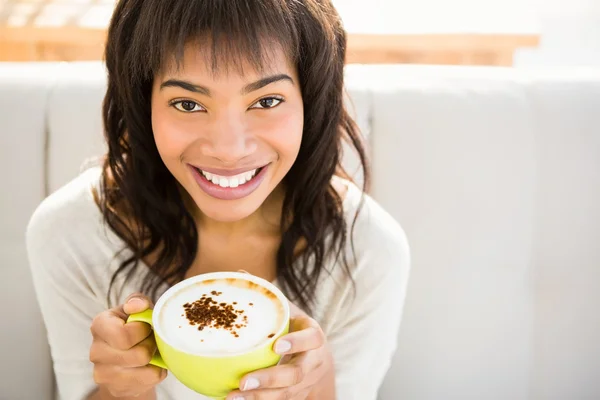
307, 363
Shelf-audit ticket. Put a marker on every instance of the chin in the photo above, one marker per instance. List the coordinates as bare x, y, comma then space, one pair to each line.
228, 210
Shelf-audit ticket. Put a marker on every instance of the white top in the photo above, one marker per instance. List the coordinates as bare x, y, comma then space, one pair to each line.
73, 255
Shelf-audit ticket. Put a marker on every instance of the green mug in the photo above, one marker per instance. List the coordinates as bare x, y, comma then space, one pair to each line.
208, 374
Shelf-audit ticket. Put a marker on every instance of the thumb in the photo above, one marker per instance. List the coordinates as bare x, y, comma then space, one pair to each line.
136, 303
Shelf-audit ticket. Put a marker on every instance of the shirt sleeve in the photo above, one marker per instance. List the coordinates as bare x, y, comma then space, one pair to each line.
364, 338
65, 292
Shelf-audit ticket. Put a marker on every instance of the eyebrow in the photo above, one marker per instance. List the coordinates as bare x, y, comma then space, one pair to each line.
251, 87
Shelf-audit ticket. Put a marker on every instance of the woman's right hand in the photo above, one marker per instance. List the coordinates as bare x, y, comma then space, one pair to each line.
121, 352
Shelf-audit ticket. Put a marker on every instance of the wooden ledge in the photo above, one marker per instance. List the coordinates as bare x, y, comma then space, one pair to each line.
453, 49
73, 44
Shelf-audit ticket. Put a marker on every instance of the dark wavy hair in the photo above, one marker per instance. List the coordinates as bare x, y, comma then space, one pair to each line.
140, 199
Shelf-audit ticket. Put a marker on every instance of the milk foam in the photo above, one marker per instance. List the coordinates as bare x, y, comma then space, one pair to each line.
259, 315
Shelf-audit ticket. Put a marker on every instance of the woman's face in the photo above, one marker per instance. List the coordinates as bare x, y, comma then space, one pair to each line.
228, 139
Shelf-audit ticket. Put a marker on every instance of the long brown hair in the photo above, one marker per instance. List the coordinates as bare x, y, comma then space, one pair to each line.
144, 35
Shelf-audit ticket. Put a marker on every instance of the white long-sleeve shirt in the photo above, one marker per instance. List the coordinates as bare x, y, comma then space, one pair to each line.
73, 256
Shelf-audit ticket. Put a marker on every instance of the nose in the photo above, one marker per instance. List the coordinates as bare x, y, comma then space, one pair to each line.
228, 139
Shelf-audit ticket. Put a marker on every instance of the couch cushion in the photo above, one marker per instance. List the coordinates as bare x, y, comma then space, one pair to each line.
25, 370
567, 250
454, 163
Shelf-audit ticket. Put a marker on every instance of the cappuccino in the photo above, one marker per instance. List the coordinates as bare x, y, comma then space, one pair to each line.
220, 316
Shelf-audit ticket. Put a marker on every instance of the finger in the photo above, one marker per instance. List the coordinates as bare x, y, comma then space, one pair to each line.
125, 391
109, 327
136, 303
266, 394
309, 337
280, 376
128, 381
296, 312
139, 376
303, 369
137, 356
303, 394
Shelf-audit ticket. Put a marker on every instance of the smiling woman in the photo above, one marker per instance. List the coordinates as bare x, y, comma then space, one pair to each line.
225, 122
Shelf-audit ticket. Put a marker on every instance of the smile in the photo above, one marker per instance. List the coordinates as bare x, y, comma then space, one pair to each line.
229, 185
230, 181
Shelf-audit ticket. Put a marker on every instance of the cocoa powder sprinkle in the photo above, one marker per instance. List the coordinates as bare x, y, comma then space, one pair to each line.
206, 312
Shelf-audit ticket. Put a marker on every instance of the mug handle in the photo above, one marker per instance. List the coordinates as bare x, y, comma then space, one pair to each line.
146, 317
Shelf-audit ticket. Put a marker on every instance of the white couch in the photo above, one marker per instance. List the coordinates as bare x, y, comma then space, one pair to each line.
493, 173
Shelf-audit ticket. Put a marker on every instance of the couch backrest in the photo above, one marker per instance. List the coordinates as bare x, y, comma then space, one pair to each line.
23, 104
494, 174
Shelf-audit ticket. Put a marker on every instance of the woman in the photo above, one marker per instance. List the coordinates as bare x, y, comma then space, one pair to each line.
224, 122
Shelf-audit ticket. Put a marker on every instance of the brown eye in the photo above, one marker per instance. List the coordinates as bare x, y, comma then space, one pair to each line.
267, 102
187, 106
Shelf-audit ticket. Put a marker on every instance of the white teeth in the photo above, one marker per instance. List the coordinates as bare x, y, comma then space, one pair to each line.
231, 181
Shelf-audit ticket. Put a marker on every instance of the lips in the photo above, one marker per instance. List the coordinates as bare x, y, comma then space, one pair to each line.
229, 184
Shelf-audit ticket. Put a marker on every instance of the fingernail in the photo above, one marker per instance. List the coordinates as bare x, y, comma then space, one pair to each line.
251, 383
282, 346
238, 398
135, 300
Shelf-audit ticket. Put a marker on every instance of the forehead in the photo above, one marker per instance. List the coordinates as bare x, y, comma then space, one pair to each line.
227, 62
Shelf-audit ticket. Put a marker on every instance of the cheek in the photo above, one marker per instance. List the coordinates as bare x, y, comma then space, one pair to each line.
170, 135
285, 135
